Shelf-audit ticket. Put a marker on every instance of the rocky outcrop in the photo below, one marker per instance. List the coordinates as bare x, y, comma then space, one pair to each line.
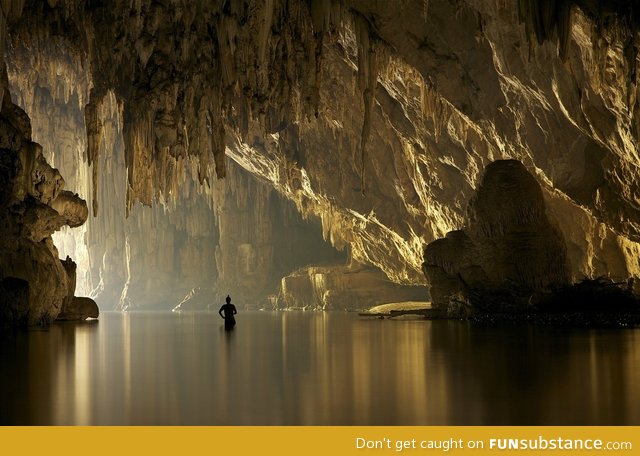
33, 204
14, 301
508, 252
342, 287
70, 268
78, 309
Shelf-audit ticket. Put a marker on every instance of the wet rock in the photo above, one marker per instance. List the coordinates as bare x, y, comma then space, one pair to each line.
79, 309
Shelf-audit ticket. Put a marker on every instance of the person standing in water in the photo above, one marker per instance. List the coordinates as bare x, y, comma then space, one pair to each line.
227, 311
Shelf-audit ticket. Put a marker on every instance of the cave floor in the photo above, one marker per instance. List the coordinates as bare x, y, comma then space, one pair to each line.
306, 368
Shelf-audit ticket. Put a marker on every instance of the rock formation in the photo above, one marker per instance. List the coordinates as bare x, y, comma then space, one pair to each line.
261, 239
508, 251
231, 236
35, 285
79, 308
376, 117
342, 287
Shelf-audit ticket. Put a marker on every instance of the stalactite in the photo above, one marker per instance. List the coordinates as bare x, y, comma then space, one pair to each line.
9, 10
94, 133
266, 22
192, 81
367, 80
632, 55
433, 108
552, 19
184, 83
564, 28
125, 302
321, 11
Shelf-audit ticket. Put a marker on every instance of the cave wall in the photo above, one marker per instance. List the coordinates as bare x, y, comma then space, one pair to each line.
376, 117
425, 155
262, 239
343, 286
35, 285
235, 236
572, 118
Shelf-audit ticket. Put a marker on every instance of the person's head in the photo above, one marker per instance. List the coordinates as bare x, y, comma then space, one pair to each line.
228, 299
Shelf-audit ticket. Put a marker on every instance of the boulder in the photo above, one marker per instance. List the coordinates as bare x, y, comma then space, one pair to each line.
508, 253
80, 308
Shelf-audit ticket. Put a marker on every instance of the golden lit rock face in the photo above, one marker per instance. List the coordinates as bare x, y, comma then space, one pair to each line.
340, 286
377, 117
452, 97
573, 122
261, 238
35, 286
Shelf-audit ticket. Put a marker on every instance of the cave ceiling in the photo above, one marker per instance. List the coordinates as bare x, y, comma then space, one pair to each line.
376, 117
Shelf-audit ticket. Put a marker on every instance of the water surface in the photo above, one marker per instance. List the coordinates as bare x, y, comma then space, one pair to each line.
304, 368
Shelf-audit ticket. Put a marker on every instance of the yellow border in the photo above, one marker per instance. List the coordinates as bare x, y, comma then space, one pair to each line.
312, 440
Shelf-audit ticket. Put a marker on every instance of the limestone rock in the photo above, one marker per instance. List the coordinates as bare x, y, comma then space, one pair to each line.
261, 239
228, 236
200, 298
70, 268
39, 266
343, 287
509, 250
28, 253
404, 102
14, 302
448, 262
35, 284
40, 221
79, 309
71, 208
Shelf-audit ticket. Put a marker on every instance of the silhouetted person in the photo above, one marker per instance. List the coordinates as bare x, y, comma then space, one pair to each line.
227, 311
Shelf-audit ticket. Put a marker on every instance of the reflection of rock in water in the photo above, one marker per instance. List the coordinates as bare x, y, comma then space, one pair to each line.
42, 364
499, 369
508, 251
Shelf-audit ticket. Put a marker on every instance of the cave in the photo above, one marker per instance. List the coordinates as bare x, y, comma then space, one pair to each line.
316, 161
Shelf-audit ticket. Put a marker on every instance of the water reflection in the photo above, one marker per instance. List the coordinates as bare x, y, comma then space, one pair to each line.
316, 368
45, 375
